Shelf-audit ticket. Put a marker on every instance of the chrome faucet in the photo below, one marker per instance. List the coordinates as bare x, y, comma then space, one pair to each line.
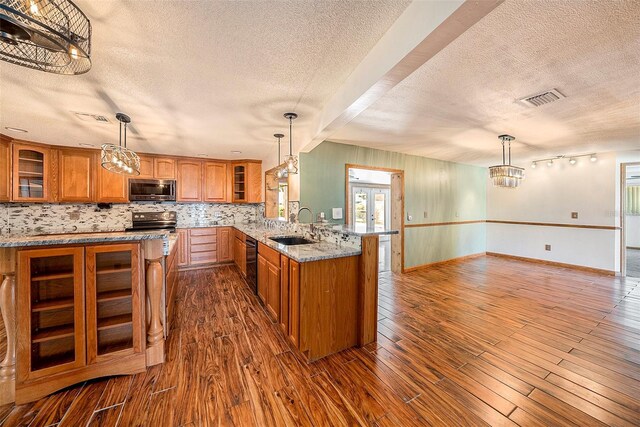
312, 226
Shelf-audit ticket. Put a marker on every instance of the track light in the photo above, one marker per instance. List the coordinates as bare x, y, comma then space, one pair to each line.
534, 165
550, 163
572, 161
593, 158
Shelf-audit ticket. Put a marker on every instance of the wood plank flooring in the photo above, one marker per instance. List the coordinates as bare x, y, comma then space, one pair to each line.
486, 341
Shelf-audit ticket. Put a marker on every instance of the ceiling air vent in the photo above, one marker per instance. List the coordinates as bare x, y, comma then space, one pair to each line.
540, 99
88, 117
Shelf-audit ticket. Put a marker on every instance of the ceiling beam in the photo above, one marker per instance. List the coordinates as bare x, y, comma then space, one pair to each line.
423, 30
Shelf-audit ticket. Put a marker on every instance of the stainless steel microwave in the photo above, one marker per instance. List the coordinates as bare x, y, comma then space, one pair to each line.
159, 190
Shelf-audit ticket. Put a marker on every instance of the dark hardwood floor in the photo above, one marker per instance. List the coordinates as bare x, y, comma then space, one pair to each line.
487, 341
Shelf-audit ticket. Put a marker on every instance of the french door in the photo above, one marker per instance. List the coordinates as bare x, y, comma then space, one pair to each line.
371, 209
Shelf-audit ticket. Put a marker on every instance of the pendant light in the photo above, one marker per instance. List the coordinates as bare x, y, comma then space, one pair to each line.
291, 161
281, 171
47, 35
118, 158
506, 175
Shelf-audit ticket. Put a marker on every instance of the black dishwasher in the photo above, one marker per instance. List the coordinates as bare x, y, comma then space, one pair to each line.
252, 263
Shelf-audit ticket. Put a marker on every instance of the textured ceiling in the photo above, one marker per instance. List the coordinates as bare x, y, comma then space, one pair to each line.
455, 106
199, 76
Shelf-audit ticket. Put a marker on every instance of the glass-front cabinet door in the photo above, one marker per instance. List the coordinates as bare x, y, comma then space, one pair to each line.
50, 310
30, 173
114, 310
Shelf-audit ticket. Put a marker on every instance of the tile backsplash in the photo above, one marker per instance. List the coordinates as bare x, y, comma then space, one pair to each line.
58, 218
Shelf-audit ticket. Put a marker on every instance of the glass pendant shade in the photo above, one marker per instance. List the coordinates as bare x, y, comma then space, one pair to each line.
118, 158
280, 172
291, 161
506, 175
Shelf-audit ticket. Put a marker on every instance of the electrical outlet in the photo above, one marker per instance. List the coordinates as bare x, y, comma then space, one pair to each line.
547, 247
409, 217
574, 215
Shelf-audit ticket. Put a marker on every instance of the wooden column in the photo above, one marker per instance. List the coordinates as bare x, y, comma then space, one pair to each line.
8, 308
368, 291
153, 253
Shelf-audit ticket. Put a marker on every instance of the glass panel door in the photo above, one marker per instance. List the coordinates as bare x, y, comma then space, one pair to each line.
360, 209
30, 174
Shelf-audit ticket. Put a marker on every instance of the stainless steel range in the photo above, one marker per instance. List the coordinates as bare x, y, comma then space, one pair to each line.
154, 221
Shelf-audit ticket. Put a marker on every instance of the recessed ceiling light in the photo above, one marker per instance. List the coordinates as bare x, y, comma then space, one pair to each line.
86, 144
202, 155
16, 129
236, 152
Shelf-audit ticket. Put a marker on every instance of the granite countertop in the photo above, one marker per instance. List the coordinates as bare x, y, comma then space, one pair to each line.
350, 230
300, 253
68, 238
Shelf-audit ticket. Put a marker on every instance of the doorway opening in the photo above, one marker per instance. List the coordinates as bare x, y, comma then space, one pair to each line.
375, 202
630, 219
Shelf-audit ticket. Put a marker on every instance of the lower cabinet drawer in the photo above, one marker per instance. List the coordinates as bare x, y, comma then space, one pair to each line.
202, 232
203, 257
201, 240
208, 247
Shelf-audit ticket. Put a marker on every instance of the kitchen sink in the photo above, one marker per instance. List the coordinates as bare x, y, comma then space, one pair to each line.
291, 241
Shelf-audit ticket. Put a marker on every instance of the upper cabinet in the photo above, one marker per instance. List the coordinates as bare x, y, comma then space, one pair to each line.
189, 182
76, 170
111, 187
214, 185
247, 182
5, 170
30, 173
164, 168
146, 167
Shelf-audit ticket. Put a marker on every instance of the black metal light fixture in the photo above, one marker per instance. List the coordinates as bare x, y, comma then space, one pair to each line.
47, 35
118, 158
291, 161
281, 171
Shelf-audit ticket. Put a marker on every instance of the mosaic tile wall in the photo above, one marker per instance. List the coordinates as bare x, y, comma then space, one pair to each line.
64, 218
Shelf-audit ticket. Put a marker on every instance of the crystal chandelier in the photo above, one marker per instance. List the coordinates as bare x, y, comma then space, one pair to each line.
505, 175
118, 158
291, 161
47, 35
281, 171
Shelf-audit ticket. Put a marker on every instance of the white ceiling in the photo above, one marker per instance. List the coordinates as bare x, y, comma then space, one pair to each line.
199, 76
456, 104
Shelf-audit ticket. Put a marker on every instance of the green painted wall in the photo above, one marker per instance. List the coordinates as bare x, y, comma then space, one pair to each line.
446, 191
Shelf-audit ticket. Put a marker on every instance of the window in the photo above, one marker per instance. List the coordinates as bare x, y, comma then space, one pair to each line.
633, 200
283, 202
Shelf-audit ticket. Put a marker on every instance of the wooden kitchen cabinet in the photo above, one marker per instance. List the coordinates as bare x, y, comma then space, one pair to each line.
269, 279
284, 294
111, 187
164, 168
225, 244
203, 248
171, 279
80, 315
76, 169
50, 312
146, 167
183, 247
294, 302
5, 169
263, 274
214, 184
247, 182
189, 181
30, 173
113, 302
240, 253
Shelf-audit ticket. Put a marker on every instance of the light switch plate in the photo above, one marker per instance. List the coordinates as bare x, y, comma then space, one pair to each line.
547, 247
426, 214
409, 217
574, 215
336, 213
